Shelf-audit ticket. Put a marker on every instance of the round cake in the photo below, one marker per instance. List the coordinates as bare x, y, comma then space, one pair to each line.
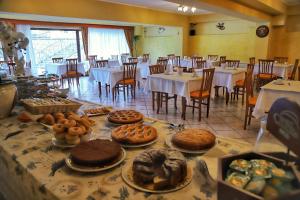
194, 139
125, 117
96, 152
134, 134
165, 168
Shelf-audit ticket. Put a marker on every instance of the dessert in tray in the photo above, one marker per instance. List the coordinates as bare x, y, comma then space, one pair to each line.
125, 117
194, 139
96, 153
134, 134
159, 169
260, 177
97, 111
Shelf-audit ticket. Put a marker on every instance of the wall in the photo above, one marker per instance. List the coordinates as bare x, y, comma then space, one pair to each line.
160, 44
237, 41
92, 9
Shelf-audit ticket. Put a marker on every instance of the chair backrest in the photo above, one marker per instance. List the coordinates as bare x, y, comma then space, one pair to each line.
58, 60
114, 57
146, 57
232, 63
101, 63
249, 82
72, 65
176, 62
195, 59
156, 69
293, 75
133, 60
129, 71
92, 60
171, 55
201, 64
124, 57
222, 60
252, 60
280, 59
207, 78
212, 57
265, 66
163, 62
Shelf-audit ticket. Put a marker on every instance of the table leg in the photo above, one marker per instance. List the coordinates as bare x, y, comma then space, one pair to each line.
183, 105
227, 96
158, 102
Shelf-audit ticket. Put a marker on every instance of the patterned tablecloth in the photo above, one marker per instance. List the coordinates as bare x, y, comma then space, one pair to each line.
28, 159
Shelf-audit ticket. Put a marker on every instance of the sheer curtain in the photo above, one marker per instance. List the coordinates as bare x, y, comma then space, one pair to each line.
107, 42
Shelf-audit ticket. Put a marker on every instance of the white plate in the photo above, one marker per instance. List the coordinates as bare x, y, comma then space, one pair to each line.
138, 145
88, 169
127, 177
61, 144
169, 143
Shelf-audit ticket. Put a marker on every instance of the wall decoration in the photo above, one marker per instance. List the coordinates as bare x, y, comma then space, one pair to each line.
262, 31
220, 26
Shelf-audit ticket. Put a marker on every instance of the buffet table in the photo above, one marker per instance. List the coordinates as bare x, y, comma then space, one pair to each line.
29, 163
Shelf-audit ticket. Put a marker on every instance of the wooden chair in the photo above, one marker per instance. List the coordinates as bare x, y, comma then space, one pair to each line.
265, 72
72, 71
100, 64
240, 85
222, 60
195, 59
92, 60
292, 76
212, 57
252, 60
124, 57
201, 64
128, 80
58, 60
232, 63
146, 57
250, 99
155, 69
281, 60
163, 62
202, 94
133, 60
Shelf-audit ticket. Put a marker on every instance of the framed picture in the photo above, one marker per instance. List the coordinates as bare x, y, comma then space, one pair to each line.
262, 31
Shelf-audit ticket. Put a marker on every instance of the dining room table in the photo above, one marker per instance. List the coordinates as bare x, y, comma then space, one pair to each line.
188, 63
61, 68
274, 90
33, 168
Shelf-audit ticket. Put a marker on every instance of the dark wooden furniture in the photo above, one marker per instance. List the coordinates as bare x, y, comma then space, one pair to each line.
133, 60
250, 99
58, 60
232, 63
292, 76
281, 60
265, 72
92, 60
72, 72
146, 57
252, 60
212, 57
201, 64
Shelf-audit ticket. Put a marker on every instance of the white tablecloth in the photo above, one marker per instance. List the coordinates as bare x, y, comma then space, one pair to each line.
173, 84
144, 69
109, 75
271, 92
114, 63
281, 70
188, 63
61, 68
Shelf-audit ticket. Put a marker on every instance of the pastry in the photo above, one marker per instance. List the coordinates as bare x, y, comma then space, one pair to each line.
72, 139
161, 167
74, 117
58, 115
194, 139
58, 128
61, 120
97, 111
24, 117
96, 152
47, 119
125, 116
70, 123
76, 131
134, 134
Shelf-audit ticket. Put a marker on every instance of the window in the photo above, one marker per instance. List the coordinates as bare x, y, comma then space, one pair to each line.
49, 43
107, 42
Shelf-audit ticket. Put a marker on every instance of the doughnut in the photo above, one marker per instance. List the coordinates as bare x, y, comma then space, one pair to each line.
61, 120
86, 123
74, 117
83, 128
70, 123
59, 128
58, 115
76, 131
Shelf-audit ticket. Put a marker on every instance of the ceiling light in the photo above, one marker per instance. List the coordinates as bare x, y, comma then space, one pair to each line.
193, 9
185, 8
180, 8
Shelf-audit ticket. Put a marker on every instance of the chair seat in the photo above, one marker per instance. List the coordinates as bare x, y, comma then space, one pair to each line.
266, 76
126, 82
240, 83
71, 74
252, 101
197, 93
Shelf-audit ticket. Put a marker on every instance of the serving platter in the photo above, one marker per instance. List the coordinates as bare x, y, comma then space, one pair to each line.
138, 145
127, 176
169, 143
88, 169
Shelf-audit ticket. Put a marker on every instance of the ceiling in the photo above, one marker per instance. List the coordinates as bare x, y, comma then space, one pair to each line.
161, 5
291, 2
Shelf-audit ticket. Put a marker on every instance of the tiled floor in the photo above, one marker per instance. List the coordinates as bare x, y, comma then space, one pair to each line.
224, 120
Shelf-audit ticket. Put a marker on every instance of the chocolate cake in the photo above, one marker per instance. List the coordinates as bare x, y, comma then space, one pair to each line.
96, 153
165, 168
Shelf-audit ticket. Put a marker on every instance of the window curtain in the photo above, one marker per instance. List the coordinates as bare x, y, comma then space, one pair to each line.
85, 40
106, 42
26, 30
129, 34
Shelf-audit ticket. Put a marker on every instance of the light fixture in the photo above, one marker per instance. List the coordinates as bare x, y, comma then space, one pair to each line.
193, 9
180, 8
185, 8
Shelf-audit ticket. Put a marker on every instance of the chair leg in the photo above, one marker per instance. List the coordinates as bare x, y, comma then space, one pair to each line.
183, 103
200, 102
175, 101
99, 87
243, 96
246, 118
167, 101
124, 94
250, 115
193, 111
158, 101
153, 100
207, 107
